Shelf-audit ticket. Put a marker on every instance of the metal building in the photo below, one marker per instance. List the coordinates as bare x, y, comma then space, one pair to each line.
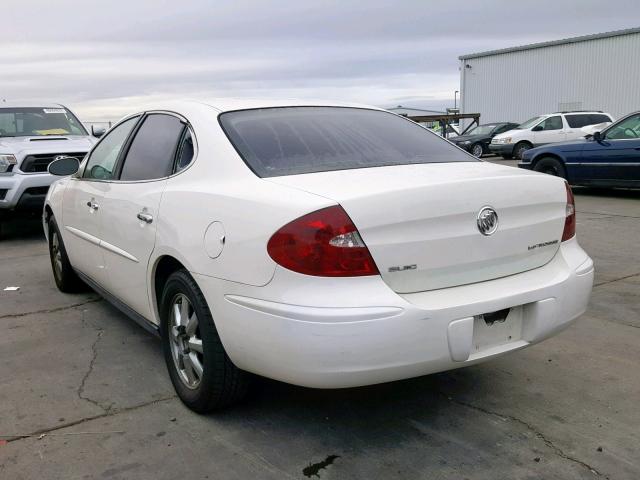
592, 72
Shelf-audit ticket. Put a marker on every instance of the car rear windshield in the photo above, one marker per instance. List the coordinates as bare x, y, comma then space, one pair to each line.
296, 140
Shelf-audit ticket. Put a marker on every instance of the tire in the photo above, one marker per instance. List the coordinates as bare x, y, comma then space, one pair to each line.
551, 166
476, 150
202, 373
520, 148
64, 275
507, 156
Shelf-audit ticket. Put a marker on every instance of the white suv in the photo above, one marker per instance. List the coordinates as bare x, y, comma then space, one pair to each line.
551, 128
31, 137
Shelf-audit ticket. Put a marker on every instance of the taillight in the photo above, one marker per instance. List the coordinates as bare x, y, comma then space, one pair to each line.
570, 220
324, 243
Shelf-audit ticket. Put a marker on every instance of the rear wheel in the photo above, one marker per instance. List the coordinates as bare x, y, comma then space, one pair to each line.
476, 150
551, 166
201, 371
65, 277
520, 148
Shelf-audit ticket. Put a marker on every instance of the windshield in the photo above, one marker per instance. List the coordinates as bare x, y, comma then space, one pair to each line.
529, 123
297, 140
481, 130
32, 122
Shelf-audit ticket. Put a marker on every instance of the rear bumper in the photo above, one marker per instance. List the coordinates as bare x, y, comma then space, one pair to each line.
333, 333
501, 149
24, 191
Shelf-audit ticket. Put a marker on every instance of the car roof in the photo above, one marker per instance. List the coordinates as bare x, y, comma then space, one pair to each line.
231, 104
576, 112
31, 105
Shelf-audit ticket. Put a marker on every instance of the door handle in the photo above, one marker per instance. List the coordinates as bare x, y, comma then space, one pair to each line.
145, 217
92, 205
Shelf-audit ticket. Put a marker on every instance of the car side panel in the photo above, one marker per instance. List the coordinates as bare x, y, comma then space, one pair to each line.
222, 227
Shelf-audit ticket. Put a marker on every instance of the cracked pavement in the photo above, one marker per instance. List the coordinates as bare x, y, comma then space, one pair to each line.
84, 392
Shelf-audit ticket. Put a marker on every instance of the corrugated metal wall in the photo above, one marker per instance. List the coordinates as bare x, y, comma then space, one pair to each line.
600, 74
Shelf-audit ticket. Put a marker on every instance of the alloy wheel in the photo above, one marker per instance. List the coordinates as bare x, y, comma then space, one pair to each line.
186, 342
476, 151
56, 254
520, 151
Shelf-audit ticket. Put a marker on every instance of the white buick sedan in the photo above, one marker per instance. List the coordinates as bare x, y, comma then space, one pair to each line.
323, 245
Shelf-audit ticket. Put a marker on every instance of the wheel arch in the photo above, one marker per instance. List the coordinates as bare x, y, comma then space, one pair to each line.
48, 212
553, 155
528, 142
163, 267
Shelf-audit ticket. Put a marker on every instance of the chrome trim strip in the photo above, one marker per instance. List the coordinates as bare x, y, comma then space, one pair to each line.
606, 164
118, 251
83, 235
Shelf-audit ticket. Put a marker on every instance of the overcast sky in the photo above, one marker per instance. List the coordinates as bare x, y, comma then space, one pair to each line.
105, 58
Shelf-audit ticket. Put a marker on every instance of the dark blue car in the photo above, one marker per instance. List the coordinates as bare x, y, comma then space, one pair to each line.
610, 158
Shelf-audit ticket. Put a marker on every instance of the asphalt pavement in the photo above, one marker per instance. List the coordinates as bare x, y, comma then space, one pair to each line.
84, 392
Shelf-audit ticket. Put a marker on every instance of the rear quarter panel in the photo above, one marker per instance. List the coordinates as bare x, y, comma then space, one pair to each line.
249, 212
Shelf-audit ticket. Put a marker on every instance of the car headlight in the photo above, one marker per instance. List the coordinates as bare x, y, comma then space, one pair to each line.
503, 140
466, 142
6, 161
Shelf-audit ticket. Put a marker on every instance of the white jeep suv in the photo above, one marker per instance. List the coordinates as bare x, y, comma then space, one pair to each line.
550, 128
31, 137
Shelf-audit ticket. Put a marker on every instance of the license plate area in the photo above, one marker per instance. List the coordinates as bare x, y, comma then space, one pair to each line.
494, 329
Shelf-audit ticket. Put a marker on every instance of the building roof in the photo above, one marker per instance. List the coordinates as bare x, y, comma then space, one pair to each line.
583, 38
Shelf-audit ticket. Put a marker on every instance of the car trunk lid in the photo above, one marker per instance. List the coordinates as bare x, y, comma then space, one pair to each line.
420, 221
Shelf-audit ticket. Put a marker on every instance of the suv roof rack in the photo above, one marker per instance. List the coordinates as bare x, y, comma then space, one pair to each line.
581, 111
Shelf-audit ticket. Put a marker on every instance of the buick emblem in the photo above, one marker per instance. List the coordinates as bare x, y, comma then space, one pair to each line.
487, 221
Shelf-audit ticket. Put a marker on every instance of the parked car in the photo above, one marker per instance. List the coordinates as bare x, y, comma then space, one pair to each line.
325, 246
610, 158
551, 128
477, 140
31, 137
451, 130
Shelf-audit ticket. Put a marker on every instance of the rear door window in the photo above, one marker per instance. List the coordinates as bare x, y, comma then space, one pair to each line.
578, 120
153, 150
298, 140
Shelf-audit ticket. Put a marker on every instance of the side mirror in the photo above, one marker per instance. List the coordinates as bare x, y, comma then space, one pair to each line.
63, 166
537, 128
597, 136
97, 131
